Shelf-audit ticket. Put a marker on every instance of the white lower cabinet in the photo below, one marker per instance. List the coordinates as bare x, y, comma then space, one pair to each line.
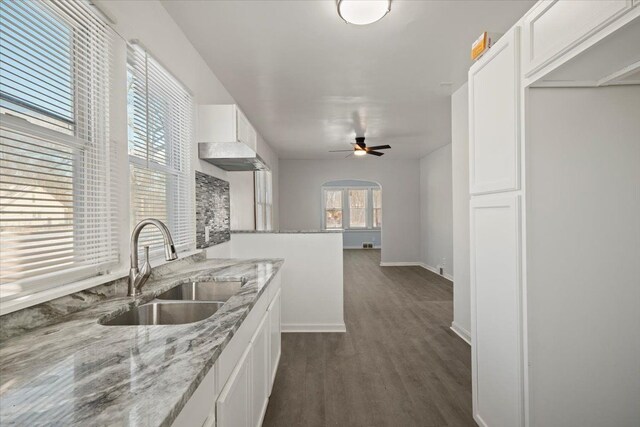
275, 338
260, 371
234, 403
235, 392
495, 311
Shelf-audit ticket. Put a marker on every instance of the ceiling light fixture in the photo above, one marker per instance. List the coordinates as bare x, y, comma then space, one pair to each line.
363, 12
359, 153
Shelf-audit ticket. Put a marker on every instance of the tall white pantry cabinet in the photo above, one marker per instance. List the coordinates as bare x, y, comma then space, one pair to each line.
524, 372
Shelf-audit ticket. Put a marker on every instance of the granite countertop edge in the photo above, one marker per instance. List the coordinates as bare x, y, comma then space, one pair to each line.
115, 384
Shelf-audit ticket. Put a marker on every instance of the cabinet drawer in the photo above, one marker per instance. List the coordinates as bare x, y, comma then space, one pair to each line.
494, 130
553, 27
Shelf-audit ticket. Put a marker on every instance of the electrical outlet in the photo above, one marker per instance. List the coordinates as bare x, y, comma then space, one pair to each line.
207, 230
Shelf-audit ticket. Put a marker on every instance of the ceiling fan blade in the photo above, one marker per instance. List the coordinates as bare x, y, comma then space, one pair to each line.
375, 153
339, 151
379, 147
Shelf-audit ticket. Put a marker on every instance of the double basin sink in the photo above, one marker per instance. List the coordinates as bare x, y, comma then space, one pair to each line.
185, 303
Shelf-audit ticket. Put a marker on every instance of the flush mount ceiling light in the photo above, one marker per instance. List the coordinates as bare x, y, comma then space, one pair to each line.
363, 12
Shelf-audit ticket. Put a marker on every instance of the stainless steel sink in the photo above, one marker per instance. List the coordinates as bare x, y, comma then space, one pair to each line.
203, 291
166, 313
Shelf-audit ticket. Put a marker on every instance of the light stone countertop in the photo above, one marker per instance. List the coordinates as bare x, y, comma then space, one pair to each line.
285, 231
80, 373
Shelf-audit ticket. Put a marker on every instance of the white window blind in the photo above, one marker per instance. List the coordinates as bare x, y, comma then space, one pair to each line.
264, 200
160, 129
58, 176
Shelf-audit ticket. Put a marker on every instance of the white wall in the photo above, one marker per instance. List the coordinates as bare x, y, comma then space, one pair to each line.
242, 196
148, 22
583, 256
436, 236
312, 276
300, 198
460, 197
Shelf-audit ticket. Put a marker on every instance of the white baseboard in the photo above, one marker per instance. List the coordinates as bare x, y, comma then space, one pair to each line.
400, 264
461, 332
360, 247
435, 270
310, 327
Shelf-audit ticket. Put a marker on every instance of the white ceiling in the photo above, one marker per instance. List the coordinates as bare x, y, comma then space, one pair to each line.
309, 82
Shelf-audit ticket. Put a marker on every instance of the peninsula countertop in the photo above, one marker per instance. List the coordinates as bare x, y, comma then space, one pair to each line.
286, 231
78, 372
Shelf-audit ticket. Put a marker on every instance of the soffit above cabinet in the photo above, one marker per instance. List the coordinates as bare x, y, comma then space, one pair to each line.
611, 56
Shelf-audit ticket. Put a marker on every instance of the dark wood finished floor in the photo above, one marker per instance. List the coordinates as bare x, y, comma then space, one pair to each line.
399, 364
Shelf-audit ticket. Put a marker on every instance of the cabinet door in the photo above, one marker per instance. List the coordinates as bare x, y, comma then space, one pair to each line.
495, 311
260, 371
553, 27
275, 339
494, 135
234, 403
200, 408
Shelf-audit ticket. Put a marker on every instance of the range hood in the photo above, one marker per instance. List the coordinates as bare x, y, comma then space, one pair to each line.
231, 156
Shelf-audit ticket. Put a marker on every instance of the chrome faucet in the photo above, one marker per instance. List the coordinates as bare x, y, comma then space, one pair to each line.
137, 278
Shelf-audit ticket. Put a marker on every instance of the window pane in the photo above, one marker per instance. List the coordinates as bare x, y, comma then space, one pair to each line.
377, 208
333, 218
36, 207
377, 217
357, 208
148, 200
377, 198
333, 199
36, 62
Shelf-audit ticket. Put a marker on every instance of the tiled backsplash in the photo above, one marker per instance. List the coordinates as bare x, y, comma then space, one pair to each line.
212, 210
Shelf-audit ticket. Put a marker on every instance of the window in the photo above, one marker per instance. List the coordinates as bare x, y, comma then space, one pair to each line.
264, 200
377, 207
358, 208
58, 178
352, 208
160, 132
333, 208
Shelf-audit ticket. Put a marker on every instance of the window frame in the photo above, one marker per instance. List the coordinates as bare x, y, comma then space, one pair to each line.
346, 213
170, 170
30, 119
263, 200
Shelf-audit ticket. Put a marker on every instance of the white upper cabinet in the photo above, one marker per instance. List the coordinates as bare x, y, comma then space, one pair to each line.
551, 28
494, 88
225, 123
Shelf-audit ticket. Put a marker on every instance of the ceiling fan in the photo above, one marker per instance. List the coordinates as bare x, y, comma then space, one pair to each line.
361, 149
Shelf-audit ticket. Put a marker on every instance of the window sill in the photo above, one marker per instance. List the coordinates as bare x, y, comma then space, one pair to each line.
25, 301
